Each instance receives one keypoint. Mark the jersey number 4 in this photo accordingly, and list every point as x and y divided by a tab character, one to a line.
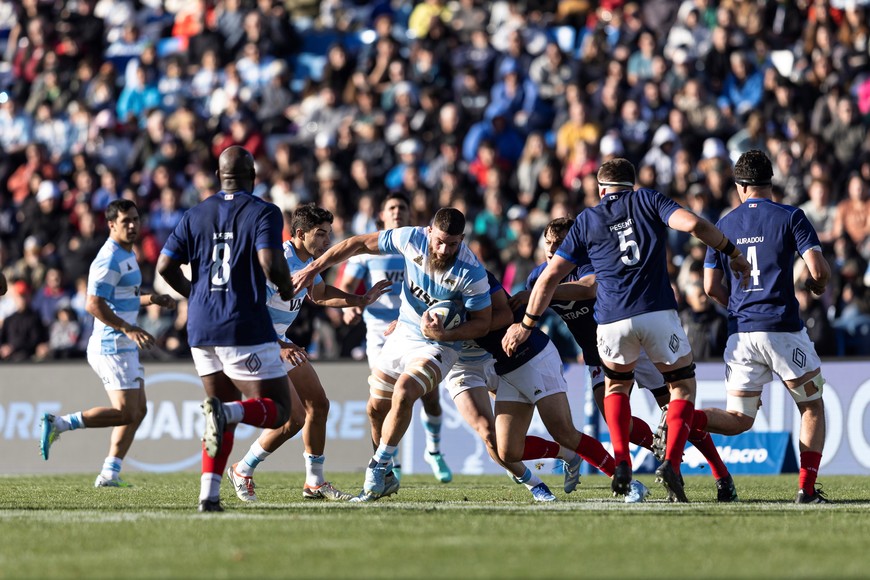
220	267
752	258
629	246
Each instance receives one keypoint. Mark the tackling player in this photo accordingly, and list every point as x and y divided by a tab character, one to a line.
624	239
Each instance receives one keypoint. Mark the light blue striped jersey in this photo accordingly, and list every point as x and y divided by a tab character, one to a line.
115	277
371	269
464	281
283	313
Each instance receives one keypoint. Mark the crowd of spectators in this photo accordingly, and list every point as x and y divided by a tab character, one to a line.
503	109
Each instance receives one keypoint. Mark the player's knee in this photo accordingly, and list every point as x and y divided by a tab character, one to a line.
377	409
317	408
509	455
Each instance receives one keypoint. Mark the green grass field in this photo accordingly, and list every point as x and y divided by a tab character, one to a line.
475	527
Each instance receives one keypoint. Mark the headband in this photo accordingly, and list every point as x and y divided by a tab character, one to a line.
613	183
753	182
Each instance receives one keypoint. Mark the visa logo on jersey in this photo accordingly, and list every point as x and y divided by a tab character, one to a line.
420	294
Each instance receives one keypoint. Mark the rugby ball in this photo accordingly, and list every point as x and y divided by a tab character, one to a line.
448	311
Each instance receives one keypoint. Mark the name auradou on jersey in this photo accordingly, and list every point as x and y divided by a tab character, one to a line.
752	240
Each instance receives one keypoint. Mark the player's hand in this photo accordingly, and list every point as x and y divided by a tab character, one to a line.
377	291
519	299
164	300
432	327
294	354
304	278
391	328
351	316
815	287
741	266
514	337
140	337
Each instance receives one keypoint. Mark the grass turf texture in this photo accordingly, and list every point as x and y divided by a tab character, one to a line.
476	527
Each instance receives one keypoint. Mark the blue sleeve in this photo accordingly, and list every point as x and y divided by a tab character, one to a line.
713	259
804	234
270	229
494	283
476	293
573	248
392	241
664	206
176	244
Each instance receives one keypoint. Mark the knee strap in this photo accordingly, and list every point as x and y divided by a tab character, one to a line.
687	372
616	375
799	394
377	386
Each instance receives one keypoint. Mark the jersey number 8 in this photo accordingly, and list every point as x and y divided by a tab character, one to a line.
220	268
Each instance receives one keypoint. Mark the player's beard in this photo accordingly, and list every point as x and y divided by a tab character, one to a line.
440	264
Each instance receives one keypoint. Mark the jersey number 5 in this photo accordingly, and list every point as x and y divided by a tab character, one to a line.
220	267
630	246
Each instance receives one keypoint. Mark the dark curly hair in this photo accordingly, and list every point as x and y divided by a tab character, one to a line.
753	168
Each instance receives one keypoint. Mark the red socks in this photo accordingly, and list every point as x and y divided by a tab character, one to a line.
680	416
617	411
641	434
218	464
260	413
704	443
594	453
537	448
810	461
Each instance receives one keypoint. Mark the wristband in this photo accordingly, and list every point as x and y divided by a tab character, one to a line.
532	316
526	326
730	249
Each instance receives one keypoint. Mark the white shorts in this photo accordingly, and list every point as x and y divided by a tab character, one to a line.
118	372
404	346
375	340
646	375
752	357
256	362
540	377
659	333
465	376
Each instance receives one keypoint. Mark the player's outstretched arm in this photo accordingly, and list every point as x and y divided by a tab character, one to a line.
327	295
819	271
164	300
354	245
685	221
170	269
540	298
348	284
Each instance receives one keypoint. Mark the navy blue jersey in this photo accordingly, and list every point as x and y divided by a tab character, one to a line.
578	315
220	238
491	342
624	237
768	234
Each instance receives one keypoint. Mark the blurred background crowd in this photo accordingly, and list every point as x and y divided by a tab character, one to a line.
503	109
